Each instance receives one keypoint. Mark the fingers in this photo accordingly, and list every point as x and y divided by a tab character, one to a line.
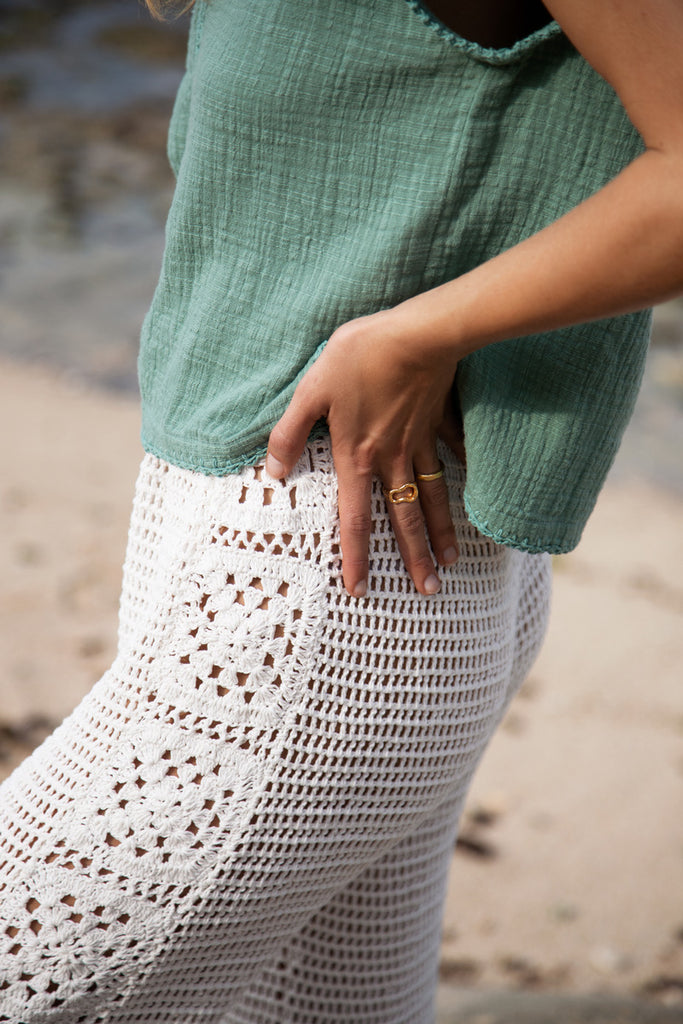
414	521
409	527
407	519
289	435
435	505
355	523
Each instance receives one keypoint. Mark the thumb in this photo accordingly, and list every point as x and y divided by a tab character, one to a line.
289	435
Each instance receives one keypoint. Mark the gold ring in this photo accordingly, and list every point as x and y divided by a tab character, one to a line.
425	477
401	495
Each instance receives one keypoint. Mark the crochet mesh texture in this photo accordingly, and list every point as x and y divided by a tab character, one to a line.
251	815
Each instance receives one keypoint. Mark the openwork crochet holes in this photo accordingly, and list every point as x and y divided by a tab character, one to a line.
267	781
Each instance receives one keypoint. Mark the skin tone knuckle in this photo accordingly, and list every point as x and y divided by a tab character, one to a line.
365	458
347	333
401	458
358	524
436	497
411	521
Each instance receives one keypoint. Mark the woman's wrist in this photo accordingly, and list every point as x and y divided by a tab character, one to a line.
431	324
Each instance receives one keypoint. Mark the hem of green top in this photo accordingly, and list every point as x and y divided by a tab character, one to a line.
485	523
218	465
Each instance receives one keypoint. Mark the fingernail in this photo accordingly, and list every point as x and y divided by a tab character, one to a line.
360	588
450	555
432	584
274	467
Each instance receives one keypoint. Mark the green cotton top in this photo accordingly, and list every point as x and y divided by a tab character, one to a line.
335	159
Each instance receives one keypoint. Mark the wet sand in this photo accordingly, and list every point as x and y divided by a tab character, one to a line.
570	866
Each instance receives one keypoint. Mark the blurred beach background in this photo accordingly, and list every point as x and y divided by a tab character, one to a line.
569	871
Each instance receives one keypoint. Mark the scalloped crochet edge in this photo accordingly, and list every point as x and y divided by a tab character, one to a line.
487	54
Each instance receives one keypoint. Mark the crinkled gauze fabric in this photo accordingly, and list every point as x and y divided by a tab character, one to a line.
334	159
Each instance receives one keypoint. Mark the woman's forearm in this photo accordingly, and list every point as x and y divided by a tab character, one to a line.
620	250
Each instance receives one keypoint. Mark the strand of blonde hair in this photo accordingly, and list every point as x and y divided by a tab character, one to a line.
162	8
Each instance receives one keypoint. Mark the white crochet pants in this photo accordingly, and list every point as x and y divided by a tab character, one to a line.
249	819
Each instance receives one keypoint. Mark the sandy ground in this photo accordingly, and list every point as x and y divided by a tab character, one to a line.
570	870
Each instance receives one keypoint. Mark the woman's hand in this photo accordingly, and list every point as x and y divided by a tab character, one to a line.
385	396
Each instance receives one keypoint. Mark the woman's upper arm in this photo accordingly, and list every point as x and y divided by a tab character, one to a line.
637	46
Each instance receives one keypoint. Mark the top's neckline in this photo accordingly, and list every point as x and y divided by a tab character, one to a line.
487	54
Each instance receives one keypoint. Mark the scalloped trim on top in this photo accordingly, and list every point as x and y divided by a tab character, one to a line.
486	54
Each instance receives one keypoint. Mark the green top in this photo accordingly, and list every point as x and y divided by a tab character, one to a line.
335	159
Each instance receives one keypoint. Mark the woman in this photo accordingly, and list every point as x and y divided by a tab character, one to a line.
251	816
